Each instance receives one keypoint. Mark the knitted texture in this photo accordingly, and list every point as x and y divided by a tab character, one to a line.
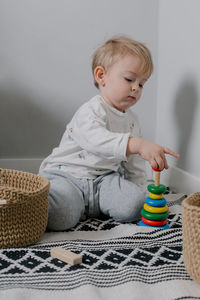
23	208
191	235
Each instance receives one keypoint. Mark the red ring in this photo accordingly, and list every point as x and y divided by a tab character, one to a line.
157	170
154	223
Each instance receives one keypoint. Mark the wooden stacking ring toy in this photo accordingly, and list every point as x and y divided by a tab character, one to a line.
156	189
153	216
155	210
166	226
156	203
154	223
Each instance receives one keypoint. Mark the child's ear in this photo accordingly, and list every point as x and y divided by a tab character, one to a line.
99	75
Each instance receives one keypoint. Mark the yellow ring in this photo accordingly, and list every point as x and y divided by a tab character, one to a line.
155	210
155	196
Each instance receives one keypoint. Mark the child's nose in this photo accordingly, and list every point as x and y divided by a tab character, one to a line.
135	87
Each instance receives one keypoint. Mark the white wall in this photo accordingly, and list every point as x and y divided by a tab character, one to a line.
45	74
45	65
178	106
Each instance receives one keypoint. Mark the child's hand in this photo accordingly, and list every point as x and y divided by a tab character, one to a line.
151	152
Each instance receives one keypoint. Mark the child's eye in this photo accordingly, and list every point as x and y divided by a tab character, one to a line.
129	80
141	86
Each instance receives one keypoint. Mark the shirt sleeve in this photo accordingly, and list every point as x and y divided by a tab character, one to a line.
88	129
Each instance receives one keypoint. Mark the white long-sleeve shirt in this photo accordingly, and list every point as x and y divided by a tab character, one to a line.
95	143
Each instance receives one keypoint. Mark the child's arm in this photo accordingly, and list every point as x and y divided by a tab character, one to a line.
88	129
152	152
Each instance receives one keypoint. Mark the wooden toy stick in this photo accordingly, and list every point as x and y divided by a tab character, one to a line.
157	178
66	256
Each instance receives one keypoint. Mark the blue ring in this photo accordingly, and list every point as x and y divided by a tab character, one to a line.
156	203
141	223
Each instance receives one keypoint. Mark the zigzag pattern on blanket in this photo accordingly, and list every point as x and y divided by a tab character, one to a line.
93	224
148	257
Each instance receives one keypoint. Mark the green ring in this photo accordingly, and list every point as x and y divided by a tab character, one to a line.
156	189
153	216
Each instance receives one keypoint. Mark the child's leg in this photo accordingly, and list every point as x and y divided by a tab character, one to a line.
120	198
66	203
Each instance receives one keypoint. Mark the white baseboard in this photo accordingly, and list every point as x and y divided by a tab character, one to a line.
178	180
28	165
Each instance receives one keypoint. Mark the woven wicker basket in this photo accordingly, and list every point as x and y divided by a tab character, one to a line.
191	235
23	208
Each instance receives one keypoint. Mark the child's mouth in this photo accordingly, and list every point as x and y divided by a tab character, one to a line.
132	98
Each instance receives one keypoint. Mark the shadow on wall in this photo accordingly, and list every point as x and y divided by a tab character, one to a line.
186	101
26	129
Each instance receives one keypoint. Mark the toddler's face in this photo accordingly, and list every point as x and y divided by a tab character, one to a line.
123	83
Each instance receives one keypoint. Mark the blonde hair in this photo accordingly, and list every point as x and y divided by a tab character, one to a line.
117	47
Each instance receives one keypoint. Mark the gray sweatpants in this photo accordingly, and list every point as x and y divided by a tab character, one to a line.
110	194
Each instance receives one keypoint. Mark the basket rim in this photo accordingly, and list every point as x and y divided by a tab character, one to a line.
187	202
24	191
7	187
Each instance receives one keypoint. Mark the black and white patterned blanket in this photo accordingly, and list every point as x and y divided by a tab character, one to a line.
119	260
